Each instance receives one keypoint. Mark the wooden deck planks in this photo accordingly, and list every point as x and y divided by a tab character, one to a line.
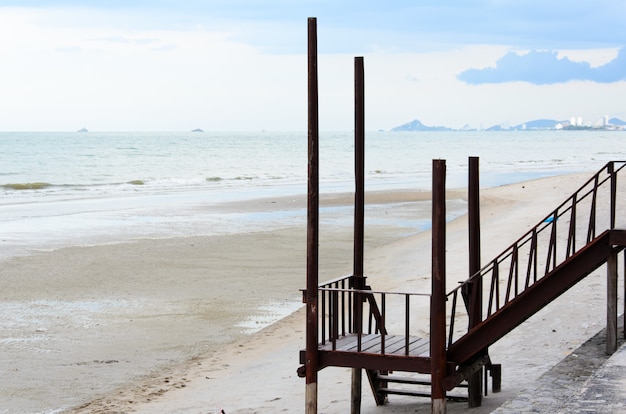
371	343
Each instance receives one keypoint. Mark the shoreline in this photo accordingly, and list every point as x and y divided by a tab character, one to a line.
49	226
143	303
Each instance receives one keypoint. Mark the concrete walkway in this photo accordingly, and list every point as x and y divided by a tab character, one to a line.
586	381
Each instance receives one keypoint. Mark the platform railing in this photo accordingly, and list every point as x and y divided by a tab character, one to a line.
348	311
567	229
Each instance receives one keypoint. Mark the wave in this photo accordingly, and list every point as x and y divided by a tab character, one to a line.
27	186
40	185
140	184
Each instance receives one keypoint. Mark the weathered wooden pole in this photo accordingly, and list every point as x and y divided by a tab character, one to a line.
359	171
475	286
611	303
358	279
311	297
611	171
438	293
611	274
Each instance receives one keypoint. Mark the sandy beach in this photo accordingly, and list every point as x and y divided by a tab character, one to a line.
178	324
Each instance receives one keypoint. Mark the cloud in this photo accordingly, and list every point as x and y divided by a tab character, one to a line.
128	40
364	26
546	67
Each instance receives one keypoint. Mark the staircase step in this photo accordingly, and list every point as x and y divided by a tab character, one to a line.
391	391
402	380
403	392
409	380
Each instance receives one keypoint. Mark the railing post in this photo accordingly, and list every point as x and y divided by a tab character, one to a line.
334	318
311	359
359	211
475	285
571	236
438	294
591	230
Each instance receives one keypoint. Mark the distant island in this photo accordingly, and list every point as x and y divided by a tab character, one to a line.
575	124
82	130
197	130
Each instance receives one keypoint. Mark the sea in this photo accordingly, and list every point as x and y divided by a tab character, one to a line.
75	188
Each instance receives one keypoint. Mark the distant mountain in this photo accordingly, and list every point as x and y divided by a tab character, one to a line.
416	125
616	121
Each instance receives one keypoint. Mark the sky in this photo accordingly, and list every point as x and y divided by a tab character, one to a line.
241	65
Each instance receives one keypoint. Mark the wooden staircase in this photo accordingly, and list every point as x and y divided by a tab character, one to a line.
552	257
535	297
538	268
384	384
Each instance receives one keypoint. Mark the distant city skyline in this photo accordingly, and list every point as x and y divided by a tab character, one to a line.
532	124
240	65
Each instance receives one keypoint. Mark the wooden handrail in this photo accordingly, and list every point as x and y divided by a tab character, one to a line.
336	303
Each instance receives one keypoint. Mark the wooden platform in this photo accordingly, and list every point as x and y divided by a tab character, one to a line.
388	352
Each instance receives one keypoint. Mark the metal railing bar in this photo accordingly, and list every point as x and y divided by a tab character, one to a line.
335	280
407	324
323	300
371	292
452	317
571	237
382	322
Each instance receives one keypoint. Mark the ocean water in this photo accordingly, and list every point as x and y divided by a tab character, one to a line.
64	188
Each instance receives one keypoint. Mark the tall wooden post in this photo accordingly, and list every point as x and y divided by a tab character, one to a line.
475	286
438	293
613	174
611	304
358	276
311	297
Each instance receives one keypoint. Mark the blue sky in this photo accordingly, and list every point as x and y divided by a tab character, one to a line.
241	64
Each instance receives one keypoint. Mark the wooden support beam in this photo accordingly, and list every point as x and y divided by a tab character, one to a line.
438	293
311	353
464	372
359	167
611	303
359	213
475	308
475	380
496	377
